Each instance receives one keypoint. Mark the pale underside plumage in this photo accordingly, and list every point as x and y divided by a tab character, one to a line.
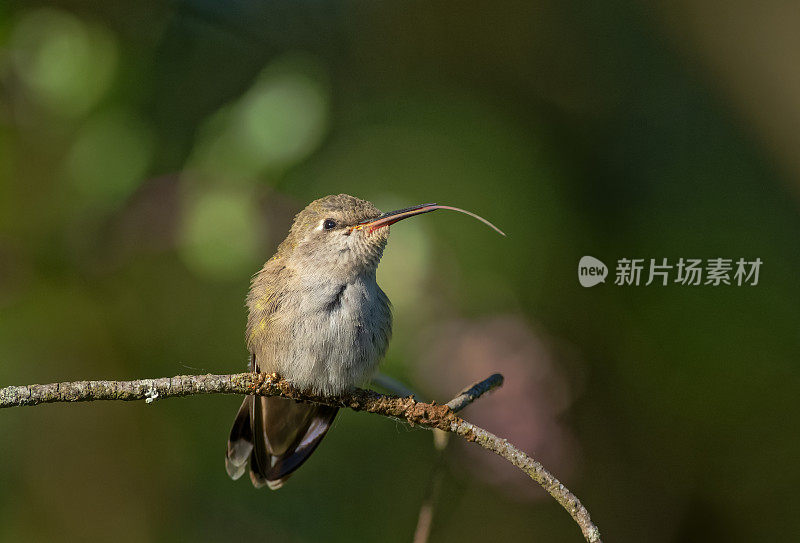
318	318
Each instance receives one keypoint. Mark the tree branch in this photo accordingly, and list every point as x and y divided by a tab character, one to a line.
429	415
472	393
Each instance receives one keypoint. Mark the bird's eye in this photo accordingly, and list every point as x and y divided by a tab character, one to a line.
329	224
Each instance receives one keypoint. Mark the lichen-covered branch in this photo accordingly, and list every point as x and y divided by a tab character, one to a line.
429	415
535	471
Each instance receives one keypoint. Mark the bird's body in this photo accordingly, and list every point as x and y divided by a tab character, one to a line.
318	318
328	335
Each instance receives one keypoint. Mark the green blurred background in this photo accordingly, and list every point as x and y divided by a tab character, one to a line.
153	153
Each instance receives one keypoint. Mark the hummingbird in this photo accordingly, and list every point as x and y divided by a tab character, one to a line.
317	318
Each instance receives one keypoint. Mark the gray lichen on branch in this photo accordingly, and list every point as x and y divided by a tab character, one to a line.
428	415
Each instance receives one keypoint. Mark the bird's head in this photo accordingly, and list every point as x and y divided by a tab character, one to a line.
343	235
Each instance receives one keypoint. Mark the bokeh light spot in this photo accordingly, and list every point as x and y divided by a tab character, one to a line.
66	63
109	159
219	238
278	122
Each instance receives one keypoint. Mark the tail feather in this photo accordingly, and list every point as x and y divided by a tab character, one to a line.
240	442
320	419
275	436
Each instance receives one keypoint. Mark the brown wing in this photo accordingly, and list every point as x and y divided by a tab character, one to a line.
264	299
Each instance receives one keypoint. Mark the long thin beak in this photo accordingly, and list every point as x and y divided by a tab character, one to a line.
393	216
